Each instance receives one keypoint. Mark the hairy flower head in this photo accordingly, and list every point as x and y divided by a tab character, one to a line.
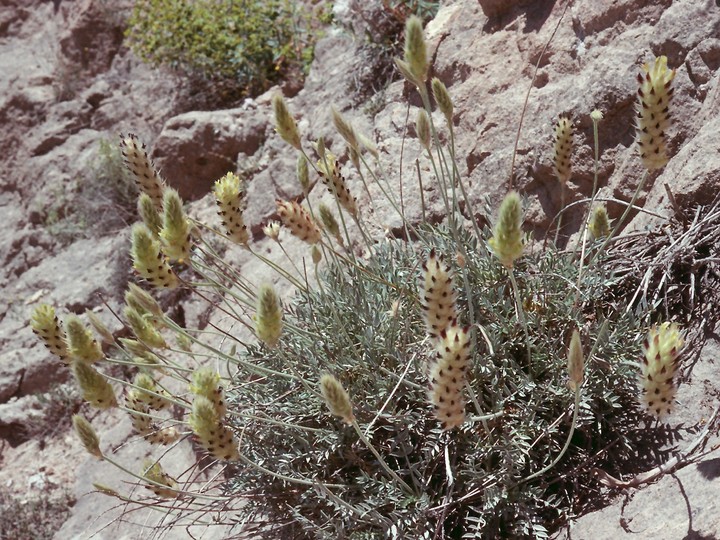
268	317
143	301
87	435
599	225
82	345
415	50
230	198
149	214
330	223
507	241
438	294
576	361
345	129
149	393
153	471
336	398
138	163
272	230
422	126
661	358
442	98
206	383
148	259
284	123
653	114
563	148
175	232
45	324
100	327
214	436
95	388
144	331
298	220
303	173
447	375
331	176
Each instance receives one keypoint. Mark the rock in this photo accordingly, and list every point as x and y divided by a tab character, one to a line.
497	8
93	36
195	149
78	277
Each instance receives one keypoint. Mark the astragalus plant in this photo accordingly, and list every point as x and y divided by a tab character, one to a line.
467	383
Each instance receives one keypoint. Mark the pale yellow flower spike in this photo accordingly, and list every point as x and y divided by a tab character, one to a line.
654	97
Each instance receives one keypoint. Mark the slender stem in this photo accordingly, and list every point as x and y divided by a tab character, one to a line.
562	206
620	221
163	486
521	315
567	442
382	462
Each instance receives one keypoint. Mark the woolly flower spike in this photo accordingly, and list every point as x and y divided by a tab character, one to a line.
329	170
653	118
442	98
100	327
148	259
284	123
81	343
149	393
175	233
345	129
563	148
507	242
143	301
330	223
268	319
46	326
599	225
316	255
105	490
438	295
422	126
336	398
369	145
272	230
447	376
155	473
206	383
303	174
87	435
576	362
415	49
229	196
149	214
143	424
298	220
143	330
94	386
210	432
660	363
137	161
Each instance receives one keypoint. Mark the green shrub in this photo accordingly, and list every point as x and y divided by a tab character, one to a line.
247	44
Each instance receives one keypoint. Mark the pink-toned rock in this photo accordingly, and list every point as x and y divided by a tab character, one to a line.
195	149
